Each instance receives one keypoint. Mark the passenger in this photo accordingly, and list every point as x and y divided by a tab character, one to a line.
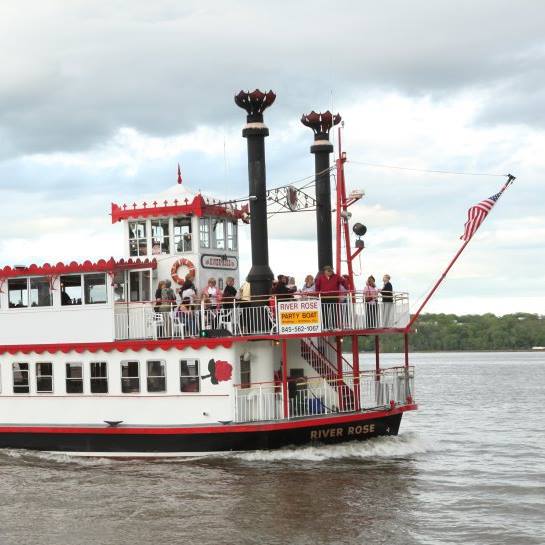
187	316
328	284
158	294
291	284
308	286
387	293
168	301
229	292
188	289
245	304
211	294
370	294
65	298
282	291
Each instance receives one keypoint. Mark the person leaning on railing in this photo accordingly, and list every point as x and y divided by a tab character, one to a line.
387	293
328	285
245	302
370	294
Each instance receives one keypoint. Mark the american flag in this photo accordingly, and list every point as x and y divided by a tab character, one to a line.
476	215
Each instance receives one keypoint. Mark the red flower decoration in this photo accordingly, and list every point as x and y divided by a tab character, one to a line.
224	371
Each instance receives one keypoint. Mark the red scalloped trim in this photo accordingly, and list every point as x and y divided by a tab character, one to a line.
119	346
87	266
198	207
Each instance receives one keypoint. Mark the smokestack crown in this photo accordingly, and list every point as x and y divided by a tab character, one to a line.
255	103
320	123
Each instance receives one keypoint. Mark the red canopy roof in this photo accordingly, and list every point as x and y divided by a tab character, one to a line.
198	206
87	266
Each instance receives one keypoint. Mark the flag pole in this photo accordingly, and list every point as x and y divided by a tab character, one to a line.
510	180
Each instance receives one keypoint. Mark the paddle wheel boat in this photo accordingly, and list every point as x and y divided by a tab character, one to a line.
92	364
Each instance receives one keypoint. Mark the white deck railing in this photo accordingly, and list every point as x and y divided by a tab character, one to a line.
141	321
318	396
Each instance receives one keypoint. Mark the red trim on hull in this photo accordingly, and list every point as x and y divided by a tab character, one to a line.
226	428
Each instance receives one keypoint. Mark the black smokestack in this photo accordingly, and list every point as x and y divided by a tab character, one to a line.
255	103
321	124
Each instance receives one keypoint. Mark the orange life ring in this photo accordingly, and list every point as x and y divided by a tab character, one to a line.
181	263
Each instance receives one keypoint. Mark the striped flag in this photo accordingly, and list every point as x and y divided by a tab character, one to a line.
476	215
179	174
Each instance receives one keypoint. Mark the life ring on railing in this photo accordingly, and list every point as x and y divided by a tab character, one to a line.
181	263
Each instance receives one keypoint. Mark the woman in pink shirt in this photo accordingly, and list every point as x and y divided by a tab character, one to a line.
370	293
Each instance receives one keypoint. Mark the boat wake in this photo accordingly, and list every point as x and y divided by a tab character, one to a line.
400	446
391	447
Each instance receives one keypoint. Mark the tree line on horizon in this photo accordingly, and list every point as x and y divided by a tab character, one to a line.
436	332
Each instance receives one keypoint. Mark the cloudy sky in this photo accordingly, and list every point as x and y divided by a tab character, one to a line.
99	101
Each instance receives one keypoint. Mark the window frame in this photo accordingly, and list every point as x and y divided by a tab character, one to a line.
245	370
41	376
141	292
214	224
84	286
27	291
128	378
104	380
74	380
231	238
82	294
137	239
187	245
159	377
205	222
24	372
163	240
195	379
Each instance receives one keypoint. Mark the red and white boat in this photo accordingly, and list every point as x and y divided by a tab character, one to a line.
91	364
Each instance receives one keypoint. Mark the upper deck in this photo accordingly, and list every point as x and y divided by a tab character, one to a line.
109	300
301	314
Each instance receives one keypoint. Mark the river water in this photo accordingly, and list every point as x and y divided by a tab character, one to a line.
467	468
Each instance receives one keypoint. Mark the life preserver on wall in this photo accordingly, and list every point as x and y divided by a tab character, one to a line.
181	263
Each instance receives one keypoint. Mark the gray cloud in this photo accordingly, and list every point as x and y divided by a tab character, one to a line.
73	73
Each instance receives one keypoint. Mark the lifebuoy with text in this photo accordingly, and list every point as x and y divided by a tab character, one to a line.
181	263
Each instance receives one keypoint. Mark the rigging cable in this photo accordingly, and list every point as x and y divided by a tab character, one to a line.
429	171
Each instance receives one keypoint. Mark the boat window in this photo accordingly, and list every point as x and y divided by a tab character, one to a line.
204	232
138	243
18	292
245	372
140	285
71	289
40	292
231	235
156	376
120	285
99	377
219	233
74	378
182	234
95	288
44	377
20	378
189	376
130	377
160	239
